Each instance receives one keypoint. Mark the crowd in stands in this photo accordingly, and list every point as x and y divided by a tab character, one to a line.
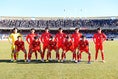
59	23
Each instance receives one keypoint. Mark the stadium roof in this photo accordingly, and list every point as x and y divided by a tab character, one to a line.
54	18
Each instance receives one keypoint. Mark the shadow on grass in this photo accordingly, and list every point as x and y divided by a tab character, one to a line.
40	62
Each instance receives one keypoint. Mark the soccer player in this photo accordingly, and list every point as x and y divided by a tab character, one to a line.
30	38
67	46
19	45
98	39
52	46
12	38
76	38
35	47
45	40
84	47
59	37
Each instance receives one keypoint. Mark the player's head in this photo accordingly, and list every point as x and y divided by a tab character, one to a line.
68	37
60	30
76	29
83	37
15	30
19	38
32	30
46	29
36	38
52	38
99	30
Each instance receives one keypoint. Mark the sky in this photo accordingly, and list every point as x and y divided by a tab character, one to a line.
59	8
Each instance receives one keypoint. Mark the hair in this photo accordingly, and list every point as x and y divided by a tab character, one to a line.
46	28
18	36
83	36
67	36
14	29
60	28
36	37
32	29
77	28
98	28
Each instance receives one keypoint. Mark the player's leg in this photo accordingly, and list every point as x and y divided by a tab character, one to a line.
57	54
89	57
79	56
36	55
102	53
48	54
12	52
39	50
29	55
43	54
74	55
15	52
96	54
25	54
62	55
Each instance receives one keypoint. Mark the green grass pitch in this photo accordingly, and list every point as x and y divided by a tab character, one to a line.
95	70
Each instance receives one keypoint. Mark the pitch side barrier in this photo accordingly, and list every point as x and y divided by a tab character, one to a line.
56	28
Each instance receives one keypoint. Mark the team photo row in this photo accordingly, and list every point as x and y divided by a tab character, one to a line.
45	43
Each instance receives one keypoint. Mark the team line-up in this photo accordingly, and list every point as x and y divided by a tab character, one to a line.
66	42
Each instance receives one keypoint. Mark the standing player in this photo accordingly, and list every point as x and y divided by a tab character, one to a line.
52	46
60	37
84	47
67	46
98	39
12	38
45	40
19	45
35	47
76	38
30	38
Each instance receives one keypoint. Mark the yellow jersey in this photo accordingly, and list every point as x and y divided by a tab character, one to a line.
13	37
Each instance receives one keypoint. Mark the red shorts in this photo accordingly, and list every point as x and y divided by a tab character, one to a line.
60	46
54	48
35	49
45	47
99	47
18	49
84	50
68	49
75	46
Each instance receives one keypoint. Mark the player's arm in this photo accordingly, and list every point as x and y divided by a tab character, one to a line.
15	43
42	40
10	38
105	37
27	39
94	38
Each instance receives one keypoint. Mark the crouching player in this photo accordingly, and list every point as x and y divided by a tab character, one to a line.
84	47
35	47
52	46
68	46
19	45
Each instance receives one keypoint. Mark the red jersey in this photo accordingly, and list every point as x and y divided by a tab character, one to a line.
68	45
99	38
35	44
30	37
83	44
60	37
19	44
45	38
76	37
52	44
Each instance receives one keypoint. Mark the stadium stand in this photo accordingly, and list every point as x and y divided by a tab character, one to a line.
87	24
